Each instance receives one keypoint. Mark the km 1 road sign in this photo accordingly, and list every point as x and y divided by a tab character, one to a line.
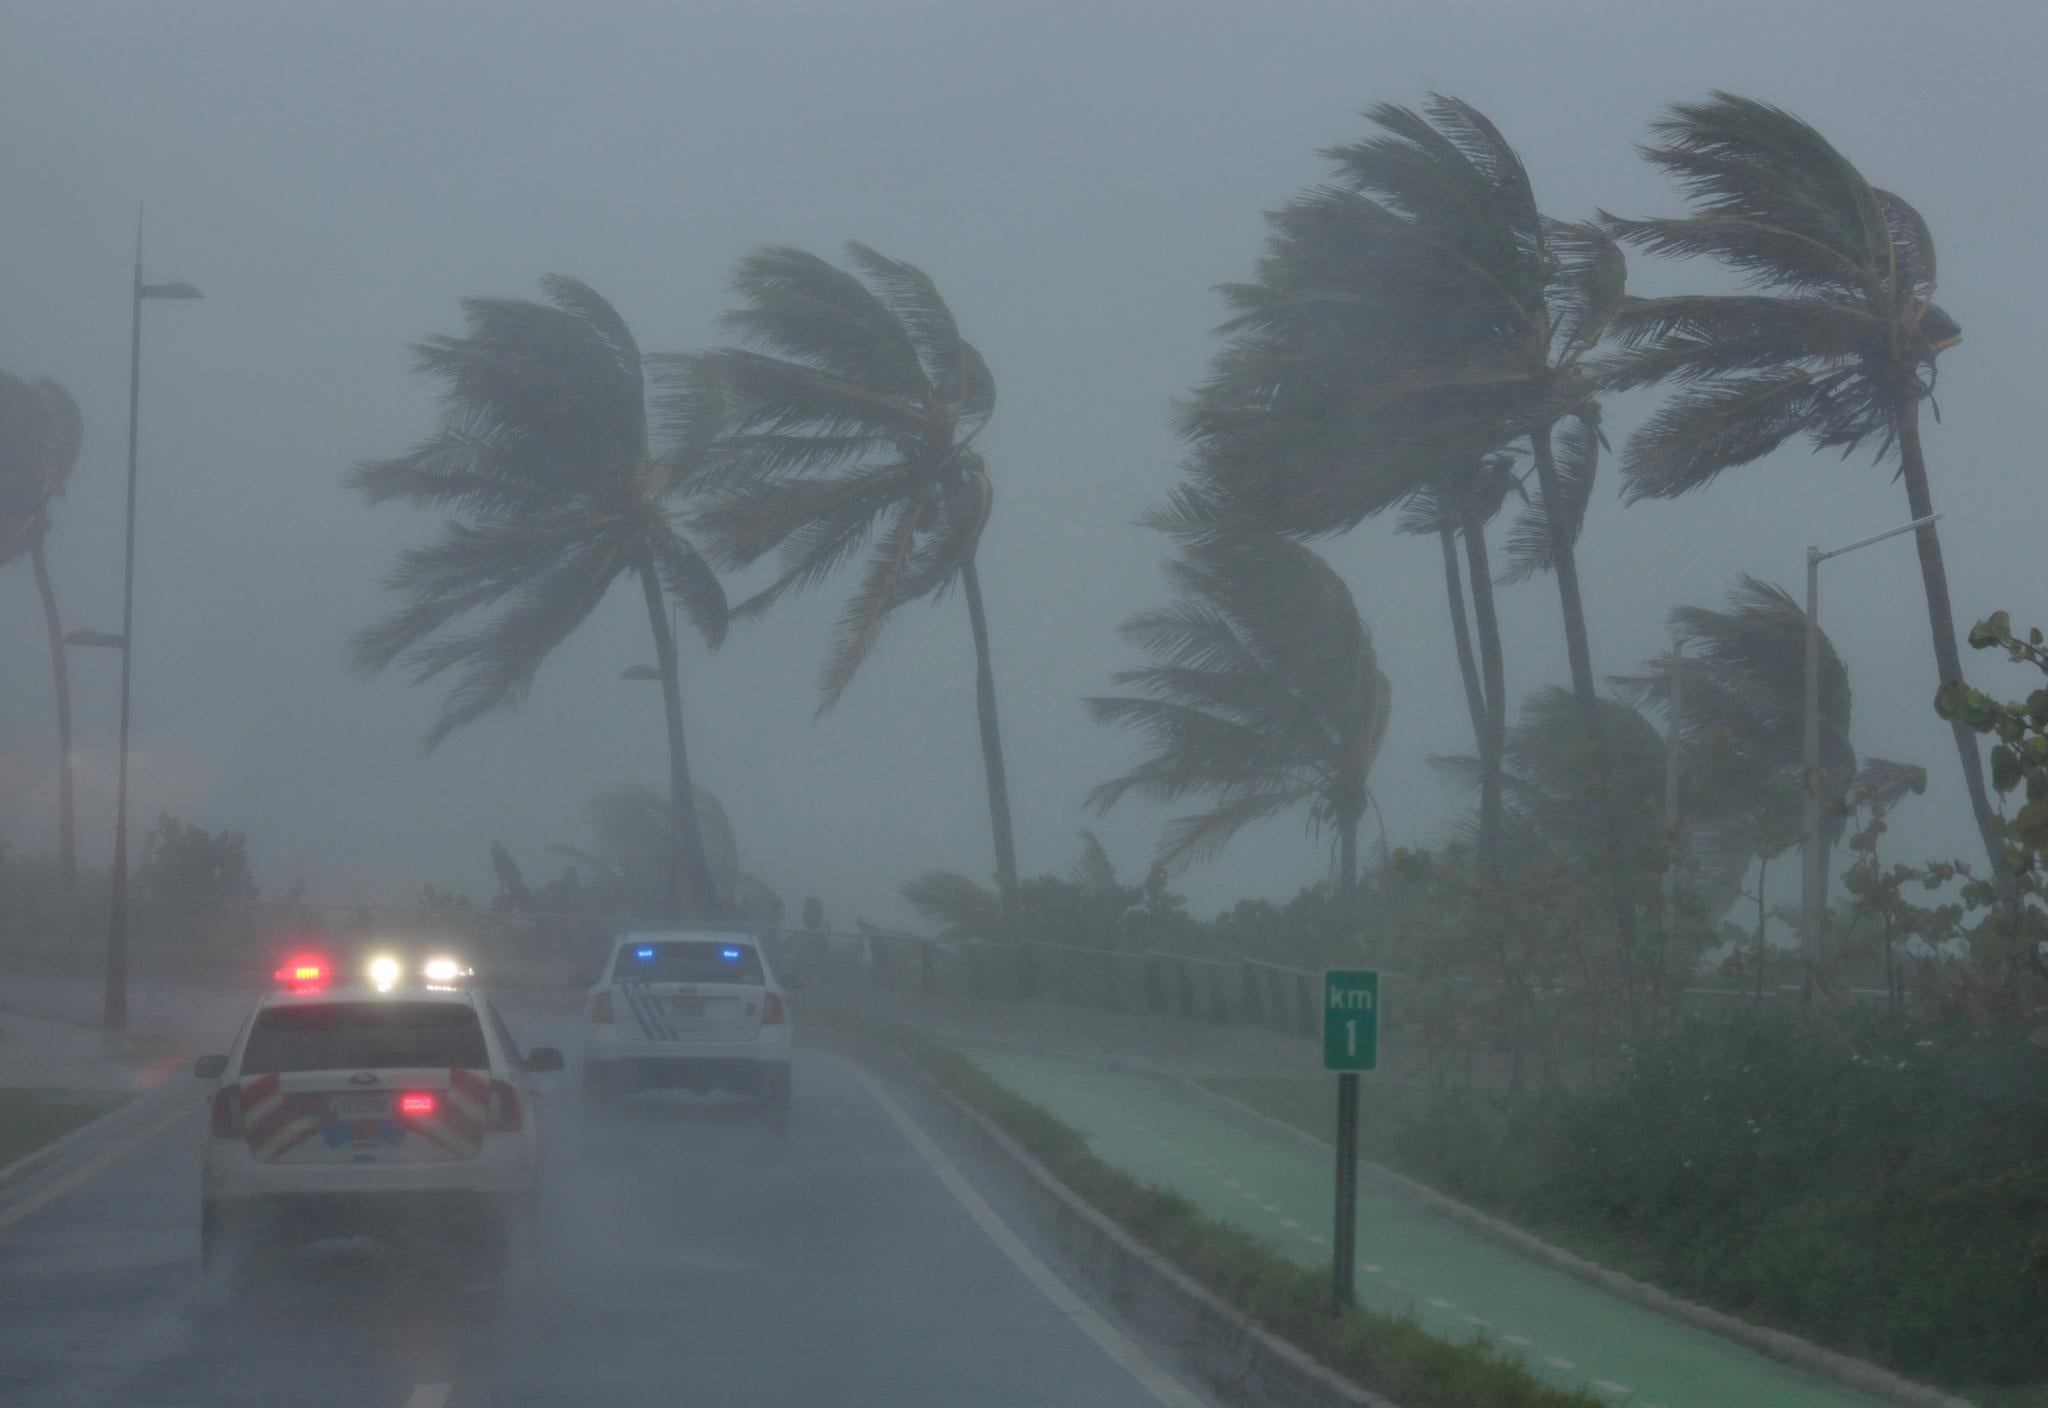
1351	1019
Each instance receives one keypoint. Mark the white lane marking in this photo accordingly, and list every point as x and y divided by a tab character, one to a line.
1372	1268
1610	1386
1519	1341
1118	1346
1475	1321
1441	1304
1314	1238
1289	1222
1558	1361
1270	1207
1232	1183
428	1396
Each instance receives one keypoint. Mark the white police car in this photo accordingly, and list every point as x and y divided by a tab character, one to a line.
687	1009
397	1107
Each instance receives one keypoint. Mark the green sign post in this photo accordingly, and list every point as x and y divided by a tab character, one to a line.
1351	1043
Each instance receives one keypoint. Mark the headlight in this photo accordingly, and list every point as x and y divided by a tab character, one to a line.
441	970
384	972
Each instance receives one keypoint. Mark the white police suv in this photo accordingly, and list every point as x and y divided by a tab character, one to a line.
687	1009
397	1106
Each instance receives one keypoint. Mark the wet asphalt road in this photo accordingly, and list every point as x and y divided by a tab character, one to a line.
695	1255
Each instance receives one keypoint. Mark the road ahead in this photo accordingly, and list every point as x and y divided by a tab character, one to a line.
696	1256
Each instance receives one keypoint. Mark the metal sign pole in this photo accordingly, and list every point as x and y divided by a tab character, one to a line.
1343	1263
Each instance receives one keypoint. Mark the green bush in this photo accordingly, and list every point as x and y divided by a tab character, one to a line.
1881	1187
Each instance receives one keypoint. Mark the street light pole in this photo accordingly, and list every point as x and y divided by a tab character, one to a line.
1671	764
1813	881
114	996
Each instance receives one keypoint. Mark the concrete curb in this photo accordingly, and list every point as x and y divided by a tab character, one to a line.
1220	1341
1789	1349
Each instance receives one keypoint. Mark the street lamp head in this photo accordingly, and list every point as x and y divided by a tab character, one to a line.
176	290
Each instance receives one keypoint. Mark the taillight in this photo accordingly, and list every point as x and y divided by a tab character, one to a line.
771	1010
227	1112
601	1008
504	1112
416	1102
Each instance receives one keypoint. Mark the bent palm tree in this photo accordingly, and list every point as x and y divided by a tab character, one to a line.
41	432
1742	712
1418	311
1839	344
853	415
544	458
1265	694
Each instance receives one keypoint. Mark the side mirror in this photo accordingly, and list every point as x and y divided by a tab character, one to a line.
543	1058
209	1067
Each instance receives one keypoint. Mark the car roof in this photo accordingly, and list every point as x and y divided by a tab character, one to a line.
656	936
355	992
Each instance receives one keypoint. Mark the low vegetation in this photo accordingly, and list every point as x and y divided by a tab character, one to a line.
1387	1353
1878	1186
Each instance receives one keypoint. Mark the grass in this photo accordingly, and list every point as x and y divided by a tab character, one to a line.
1389	1354
29	1119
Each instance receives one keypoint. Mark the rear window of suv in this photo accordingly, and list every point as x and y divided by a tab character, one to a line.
688	961
364	1036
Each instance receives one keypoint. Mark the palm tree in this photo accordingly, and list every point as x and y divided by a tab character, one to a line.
41	432
545	461
632	830
1418	311
852	414
1265	694
1743	712
1837	340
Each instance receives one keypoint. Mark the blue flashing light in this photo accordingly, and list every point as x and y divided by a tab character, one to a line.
644	954
730	955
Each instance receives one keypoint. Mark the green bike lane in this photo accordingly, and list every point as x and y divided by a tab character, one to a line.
1455	1284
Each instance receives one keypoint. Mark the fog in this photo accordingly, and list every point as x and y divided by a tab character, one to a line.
1076	178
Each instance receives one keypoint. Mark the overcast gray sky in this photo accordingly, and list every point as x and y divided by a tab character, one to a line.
1077	177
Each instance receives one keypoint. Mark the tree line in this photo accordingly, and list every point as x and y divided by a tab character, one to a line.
1419	337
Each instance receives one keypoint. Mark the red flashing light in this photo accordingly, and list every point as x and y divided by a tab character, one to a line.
416	1102
771	1010
302	974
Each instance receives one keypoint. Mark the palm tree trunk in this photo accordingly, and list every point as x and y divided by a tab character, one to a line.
1347	856
991	740
1763	870
1461	632
1581	656
1493	733
1941	616
67	829
689	868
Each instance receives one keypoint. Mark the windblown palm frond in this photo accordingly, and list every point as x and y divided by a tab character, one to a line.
848	420
41	433
1264	694
1741	725
961	908
552	489
848	423
1841	333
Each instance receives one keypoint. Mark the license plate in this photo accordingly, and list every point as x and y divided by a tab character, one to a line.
359	1107
686	1006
